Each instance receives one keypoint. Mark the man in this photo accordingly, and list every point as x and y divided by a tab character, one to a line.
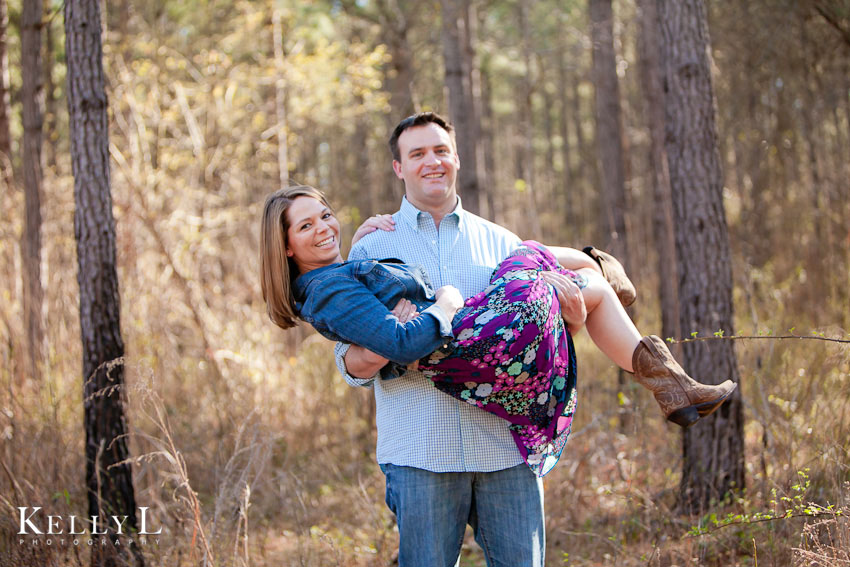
447	464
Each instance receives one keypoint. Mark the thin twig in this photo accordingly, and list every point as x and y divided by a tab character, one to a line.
758	337
707	531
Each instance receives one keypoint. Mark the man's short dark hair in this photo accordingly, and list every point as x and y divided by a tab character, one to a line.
418	119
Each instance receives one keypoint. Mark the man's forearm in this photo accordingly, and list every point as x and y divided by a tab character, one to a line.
363	363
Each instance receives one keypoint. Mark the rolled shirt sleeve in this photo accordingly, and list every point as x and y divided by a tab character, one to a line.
340	350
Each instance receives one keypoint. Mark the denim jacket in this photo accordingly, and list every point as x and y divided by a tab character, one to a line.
351	302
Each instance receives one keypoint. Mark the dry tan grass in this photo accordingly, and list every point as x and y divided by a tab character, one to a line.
250	450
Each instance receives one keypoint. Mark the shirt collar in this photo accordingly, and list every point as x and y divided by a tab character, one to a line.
412	215
302	281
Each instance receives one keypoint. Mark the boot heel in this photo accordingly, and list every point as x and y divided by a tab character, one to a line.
684	417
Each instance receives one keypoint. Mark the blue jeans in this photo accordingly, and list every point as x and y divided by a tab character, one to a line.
504	508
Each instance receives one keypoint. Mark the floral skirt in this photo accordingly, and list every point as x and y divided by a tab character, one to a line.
513	356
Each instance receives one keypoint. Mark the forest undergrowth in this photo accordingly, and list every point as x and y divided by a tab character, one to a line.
259	454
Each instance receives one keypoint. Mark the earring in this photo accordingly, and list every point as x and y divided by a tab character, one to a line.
289	252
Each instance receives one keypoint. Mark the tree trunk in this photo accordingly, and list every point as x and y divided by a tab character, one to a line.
32	96
280	99
393	21
662	220
609	143
474	80
525	155
50	118
609	130
462	112
585	178
570	201
713	457
108	474
5	110
487	125
8	256
549	114
394	25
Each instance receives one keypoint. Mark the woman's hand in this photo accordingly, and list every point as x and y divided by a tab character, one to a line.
405	311
573	309
382	222
363	363
449	299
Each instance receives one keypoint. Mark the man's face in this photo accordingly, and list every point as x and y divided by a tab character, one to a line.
428	166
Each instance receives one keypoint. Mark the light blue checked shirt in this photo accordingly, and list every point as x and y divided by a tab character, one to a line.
419	426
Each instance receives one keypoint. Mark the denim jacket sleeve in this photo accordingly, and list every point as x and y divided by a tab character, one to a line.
349	310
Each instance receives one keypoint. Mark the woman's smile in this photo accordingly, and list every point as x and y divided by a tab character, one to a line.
312	237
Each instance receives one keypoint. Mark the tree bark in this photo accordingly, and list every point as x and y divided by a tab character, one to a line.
548	115
32	95
586	180
609	144
525	155
462	112
108	474
393	20
5	107
394	24
713	457
567	188
280	99
487	125
474	80
609	130
662	220
8	256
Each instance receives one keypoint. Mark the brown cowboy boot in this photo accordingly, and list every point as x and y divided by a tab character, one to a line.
614	272
682	399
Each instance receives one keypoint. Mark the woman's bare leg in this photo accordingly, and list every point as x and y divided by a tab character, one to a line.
573	259
608	324
682	400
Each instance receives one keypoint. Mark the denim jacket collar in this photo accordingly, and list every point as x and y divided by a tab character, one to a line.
413	216
299	286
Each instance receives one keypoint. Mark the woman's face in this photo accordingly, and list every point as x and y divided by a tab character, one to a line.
312	239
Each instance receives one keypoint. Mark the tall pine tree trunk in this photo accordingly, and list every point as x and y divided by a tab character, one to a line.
32	95
487	126
525	153
609	130
280	99
462	112
8	255
393	21
50	100
713	449
5	109
609	143
662	221
108	474
567	185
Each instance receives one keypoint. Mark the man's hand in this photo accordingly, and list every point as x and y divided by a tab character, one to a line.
382	222
573	309
406	311
449	299
363	363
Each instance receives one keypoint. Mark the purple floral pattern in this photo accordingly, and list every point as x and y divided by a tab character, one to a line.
513	356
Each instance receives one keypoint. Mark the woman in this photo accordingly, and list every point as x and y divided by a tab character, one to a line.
507	350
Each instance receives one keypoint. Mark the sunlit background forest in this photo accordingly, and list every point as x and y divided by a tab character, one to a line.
247	445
